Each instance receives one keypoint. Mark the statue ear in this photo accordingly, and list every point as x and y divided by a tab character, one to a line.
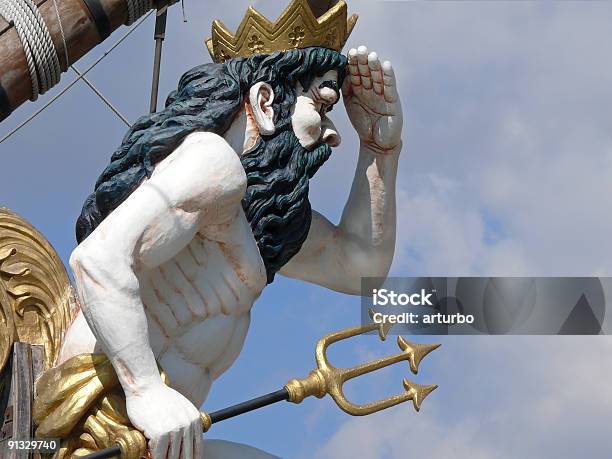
261	96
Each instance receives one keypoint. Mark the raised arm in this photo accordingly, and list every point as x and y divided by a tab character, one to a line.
362	244
194	187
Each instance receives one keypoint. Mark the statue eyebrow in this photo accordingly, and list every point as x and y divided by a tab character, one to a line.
332	85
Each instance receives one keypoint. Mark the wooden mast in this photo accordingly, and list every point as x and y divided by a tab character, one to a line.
86	23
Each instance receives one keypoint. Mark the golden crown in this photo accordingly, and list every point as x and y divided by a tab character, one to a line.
297	27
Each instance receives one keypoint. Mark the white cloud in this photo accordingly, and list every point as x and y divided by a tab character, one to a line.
393	436
440	235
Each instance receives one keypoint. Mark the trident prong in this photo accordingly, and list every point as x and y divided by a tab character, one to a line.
416	351
419	392
327	379
383	327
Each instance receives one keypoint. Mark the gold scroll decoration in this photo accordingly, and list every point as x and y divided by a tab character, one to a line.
36	298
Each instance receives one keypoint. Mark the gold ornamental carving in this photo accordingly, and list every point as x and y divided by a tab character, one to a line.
36	298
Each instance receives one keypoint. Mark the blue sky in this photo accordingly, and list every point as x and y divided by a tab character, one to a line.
506	170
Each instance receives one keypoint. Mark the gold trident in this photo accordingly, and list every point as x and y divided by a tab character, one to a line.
327	379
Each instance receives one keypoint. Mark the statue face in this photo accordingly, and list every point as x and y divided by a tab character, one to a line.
309	118
310	121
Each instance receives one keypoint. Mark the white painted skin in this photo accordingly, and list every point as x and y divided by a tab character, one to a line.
171	275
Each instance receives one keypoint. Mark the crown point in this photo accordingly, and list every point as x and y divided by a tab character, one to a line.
297	27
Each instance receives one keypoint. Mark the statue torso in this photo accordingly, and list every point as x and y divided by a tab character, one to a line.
198	307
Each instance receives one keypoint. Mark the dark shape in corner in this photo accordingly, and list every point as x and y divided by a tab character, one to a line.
582	320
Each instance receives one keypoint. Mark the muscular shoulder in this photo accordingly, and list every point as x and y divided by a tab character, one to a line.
203	169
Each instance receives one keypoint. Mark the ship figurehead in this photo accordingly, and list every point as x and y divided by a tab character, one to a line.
264	72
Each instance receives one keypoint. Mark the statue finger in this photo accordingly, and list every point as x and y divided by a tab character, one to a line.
376	72
353	68
364	69
197	441
159	447
176	440
390	86
187	449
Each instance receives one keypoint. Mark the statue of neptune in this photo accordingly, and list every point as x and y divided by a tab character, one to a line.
205	201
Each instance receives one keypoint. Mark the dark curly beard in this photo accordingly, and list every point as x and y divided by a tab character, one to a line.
276	202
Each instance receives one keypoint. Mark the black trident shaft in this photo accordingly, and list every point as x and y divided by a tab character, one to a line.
250	405
216	416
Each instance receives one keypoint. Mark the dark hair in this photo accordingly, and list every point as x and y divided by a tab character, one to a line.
207	99
276	203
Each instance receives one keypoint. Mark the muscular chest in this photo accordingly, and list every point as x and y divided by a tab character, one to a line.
217	275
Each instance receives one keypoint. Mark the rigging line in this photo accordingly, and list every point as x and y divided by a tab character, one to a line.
101	96
76	80
85	79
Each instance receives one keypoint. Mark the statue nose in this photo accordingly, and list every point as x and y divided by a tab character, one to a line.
331	138
329	135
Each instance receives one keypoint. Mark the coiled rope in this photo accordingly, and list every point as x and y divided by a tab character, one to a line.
40	53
